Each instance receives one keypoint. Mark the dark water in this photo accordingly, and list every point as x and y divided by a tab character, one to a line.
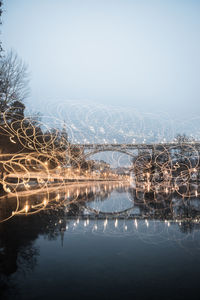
105	245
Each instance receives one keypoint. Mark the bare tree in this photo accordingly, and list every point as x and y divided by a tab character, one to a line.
183	138
13	81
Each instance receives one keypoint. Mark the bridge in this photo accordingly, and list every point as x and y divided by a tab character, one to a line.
129	148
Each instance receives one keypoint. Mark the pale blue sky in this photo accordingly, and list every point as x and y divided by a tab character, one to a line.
144	54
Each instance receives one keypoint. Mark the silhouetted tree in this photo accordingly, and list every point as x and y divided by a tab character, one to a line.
13	81
182	138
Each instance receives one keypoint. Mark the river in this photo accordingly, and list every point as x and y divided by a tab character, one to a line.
99	241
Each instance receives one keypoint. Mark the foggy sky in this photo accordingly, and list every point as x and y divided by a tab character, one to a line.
143	54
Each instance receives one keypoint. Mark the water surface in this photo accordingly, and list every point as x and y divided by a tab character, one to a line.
106	244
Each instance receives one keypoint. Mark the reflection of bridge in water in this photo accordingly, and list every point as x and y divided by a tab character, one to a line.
98	205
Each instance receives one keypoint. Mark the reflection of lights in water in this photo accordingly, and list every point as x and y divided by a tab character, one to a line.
156	233
114	207
147	223
136	224
105	224
95	227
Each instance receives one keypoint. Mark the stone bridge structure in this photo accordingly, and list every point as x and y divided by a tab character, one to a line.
135	149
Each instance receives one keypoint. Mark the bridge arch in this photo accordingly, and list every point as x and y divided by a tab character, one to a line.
121	150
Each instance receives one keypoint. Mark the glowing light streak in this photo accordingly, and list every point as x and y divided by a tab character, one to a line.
47	165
